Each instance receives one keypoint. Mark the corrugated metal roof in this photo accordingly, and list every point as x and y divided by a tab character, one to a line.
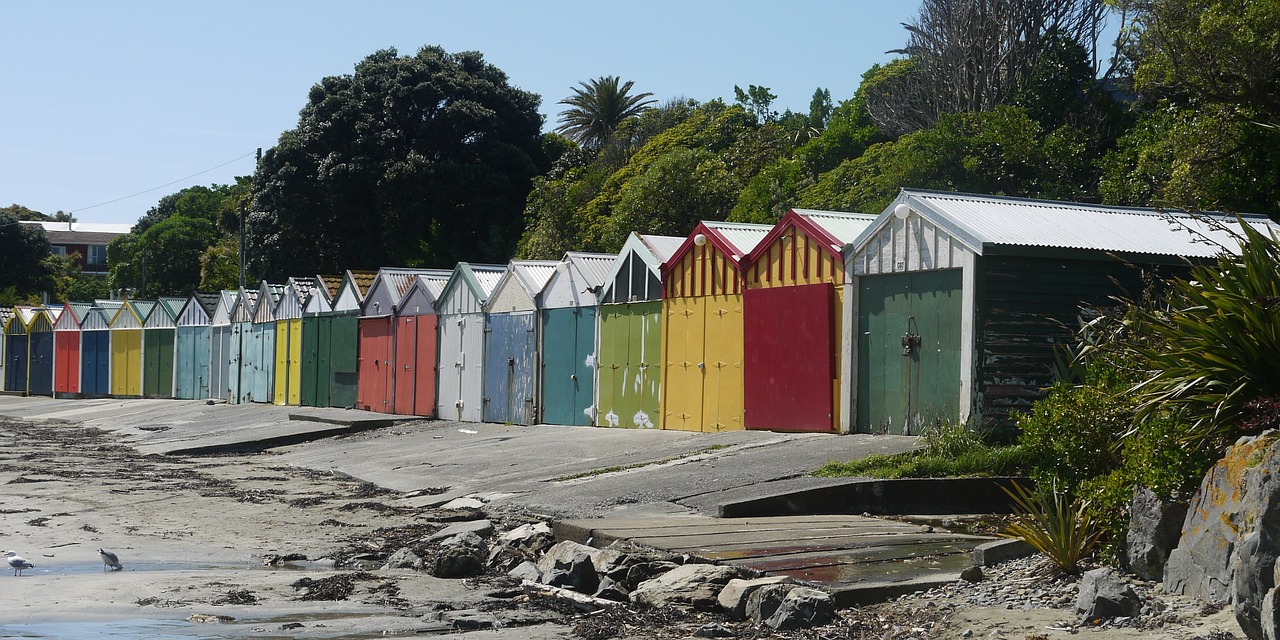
534	274
398	280
435	281
743	236
845	227
488	275
594	266
989	221
662	247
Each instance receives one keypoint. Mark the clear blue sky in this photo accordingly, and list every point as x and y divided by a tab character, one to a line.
103	100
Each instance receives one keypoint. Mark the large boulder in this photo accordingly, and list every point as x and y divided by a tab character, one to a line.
461	556
1155	524
1105	595
765	600
802	608
695	585
735	595
1253	580
575	566
1220	513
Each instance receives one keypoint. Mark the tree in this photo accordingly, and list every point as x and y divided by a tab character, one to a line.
1002	152
966	57
675	191
412	160
1216	51
171	253
23	250
597	107
758	101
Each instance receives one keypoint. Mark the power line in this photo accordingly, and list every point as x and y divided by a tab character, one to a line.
167	184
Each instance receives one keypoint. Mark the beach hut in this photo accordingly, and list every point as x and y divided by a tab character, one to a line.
5	314
67	349
342	346
511	342
461	325
793	310
159	335
257	377
961	299
41	366
95	348
241	350
126	348
379	331
17	350
568	335
702	327
628	387
416	344
317	325
220	330
193	347
288	356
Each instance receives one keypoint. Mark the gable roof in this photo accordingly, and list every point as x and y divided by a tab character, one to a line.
479	279
733	239
390	286
72	316
832	229
652	251
992	224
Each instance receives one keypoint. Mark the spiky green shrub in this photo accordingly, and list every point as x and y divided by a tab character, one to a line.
1061	527
1213	357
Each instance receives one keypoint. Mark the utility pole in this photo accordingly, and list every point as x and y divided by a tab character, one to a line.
257	163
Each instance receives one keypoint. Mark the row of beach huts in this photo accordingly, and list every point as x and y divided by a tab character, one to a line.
943	307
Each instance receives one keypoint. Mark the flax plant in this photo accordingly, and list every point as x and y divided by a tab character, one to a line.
1062	528
1215	343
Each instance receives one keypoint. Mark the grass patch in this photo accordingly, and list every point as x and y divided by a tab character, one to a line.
948	451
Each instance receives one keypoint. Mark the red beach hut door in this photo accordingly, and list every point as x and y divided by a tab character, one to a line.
789	359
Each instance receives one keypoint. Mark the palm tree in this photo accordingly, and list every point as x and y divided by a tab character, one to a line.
598	107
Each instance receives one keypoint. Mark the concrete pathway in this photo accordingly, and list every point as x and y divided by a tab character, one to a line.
858	559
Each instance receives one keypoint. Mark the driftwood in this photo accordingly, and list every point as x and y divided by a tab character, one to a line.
577	600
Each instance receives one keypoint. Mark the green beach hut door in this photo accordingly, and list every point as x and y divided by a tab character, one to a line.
908	351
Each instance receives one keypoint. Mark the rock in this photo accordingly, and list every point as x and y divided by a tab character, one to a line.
526	571
405	558
636	573
714	630
1105	595
612	590
459	557
478	527
522	543
803	607
764	601
1269	617
1155	524
695	585
1253	579
1231	501
462	503
972	574
571	565
734	596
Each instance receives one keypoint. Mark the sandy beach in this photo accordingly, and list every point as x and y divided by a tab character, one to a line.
201	539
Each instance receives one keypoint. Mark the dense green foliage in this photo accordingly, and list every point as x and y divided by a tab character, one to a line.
1212	358
161	255
24	271
422	160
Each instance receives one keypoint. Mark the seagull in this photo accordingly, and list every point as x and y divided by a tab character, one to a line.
18	562
109	560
